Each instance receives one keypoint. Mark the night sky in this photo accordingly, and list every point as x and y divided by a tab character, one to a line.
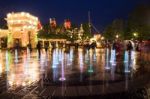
102	11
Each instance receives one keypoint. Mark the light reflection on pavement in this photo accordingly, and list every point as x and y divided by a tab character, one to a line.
75	67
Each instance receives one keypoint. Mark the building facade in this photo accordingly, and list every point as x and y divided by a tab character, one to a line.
22	29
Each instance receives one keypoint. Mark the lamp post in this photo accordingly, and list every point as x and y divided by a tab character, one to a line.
135	34
117	36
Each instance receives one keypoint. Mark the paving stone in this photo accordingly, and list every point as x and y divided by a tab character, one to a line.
71	91
95	90
117	87
83	91
48	91
60	91
37	90
148	91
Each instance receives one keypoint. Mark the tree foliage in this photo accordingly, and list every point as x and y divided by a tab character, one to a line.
60	33
115	28
86	29
139	21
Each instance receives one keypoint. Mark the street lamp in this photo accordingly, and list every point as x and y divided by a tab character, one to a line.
117	36
102	38
135	34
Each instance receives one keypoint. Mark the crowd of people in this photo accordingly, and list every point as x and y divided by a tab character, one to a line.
117	45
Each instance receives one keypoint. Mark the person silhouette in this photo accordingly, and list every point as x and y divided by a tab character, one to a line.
39	48
46	47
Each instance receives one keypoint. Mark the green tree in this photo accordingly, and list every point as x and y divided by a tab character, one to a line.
60	32
86	33
139	22
115	28
3	24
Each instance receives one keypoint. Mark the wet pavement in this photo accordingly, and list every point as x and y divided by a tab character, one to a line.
74	73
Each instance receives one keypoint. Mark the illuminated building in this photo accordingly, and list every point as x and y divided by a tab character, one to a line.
3	36
22	29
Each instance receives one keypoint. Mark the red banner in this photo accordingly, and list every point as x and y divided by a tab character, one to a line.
53	22
39	26
67	24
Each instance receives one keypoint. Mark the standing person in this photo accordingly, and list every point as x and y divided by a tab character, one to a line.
30	47
46	47
114	45
129	46
39	48
17	45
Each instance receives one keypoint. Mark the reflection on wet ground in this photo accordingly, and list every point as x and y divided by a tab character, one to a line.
58	71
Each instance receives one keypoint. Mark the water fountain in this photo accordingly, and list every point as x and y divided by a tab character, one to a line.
62	78
80	59
113	57
70	57
107	59
132	55
55	74
7	61
126	62
7	68
16	56
60	55
94	55
68	61
87	56
42	59
28	54
90	69
55	58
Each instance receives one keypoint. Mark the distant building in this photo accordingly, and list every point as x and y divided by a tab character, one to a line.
22	29
3	38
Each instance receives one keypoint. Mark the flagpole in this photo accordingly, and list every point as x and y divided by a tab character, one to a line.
89	19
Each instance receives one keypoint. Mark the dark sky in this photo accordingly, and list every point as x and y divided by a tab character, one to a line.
102	11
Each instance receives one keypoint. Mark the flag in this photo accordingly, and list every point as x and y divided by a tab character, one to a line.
53	23
39	26
67	24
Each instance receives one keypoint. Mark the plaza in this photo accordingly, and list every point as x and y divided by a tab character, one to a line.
77	73
75	49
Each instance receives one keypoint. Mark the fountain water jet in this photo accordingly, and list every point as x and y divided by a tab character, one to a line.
7	61
107	59
62	78
113	57
16	56
55	59
126	62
